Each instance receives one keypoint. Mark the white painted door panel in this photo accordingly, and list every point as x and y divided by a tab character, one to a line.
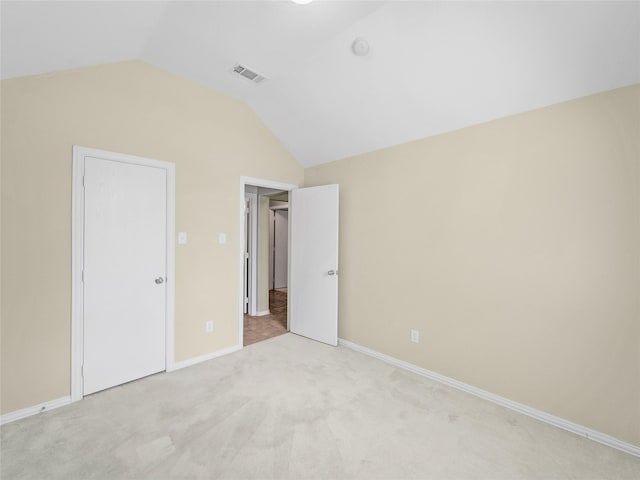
124	272
281	248
313	278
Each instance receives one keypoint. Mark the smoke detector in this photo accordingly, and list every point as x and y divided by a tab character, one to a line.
360	47
248	74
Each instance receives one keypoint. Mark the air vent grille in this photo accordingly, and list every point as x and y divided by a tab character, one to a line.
248	74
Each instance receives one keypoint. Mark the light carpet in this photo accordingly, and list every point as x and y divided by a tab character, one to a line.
291	408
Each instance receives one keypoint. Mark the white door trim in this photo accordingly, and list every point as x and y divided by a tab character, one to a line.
272	211
77	256
253	252
256	182
280	215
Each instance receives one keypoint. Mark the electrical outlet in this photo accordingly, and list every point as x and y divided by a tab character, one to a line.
415	336
209	326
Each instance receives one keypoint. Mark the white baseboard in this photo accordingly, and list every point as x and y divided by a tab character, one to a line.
27	412
263	313
61	402
203	358
505	402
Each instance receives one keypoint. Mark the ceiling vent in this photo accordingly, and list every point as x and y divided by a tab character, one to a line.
248	74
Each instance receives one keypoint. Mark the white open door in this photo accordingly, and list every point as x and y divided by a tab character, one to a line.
313	274
125	265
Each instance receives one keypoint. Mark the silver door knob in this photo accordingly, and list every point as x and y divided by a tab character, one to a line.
159	280
332	272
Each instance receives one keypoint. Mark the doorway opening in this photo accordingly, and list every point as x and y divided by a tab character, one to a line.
266	264
264	293
312	257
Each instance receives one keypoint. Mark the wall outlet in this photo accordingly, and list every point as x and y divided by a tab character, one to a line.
415	336
209	326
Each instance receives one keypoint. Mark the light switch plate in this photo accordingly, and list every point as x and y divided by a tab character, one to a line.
222	238
182	238
415	336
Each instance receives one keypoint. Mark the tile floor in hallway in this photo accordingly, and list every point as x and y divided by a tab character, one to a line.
257	329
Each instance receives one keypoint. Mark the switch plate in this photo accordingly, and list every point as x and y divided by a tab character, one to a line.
222	238
182	238
209	326
415	336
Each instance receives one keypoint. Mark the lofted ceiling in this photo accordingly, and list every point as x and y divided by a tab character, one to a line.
432	67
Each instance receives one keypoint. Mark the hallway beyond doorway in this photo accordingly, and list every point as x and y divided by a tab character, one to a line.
261	328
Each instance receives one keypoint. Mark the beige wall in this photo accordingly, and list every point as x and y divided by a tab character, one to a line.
136	109
514	247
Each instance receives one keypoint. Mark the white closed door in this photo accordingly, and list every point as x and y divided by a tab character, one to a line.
125	264
313	274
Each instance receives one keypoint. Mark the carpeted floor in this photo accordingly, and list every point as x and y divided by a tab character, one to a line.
292	408
257	329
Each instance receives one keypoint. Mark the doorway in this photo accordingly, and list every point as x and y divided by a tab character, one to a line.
259	254
312	270
266	264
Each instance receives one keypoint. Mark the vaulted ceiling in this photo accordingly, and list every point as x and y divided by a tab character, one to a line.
432	67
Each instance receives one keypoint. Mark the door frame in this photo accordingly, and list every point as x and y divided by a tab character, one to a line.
252	290
256	182
272	255
271	232
77	257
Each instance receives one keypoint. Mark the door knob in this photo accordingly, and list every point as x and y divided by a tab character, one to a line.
332	272
159	280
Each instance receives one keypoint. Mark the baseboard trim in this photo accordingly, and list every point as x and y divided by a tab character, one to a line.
581	430
61	402
263	313
29	411
203	358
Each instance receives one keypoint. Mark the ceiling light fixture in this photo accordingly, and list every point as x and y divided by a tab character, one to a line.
302	2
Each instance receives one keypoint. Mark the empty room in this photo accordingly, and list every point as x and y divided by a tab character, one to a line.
320	239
